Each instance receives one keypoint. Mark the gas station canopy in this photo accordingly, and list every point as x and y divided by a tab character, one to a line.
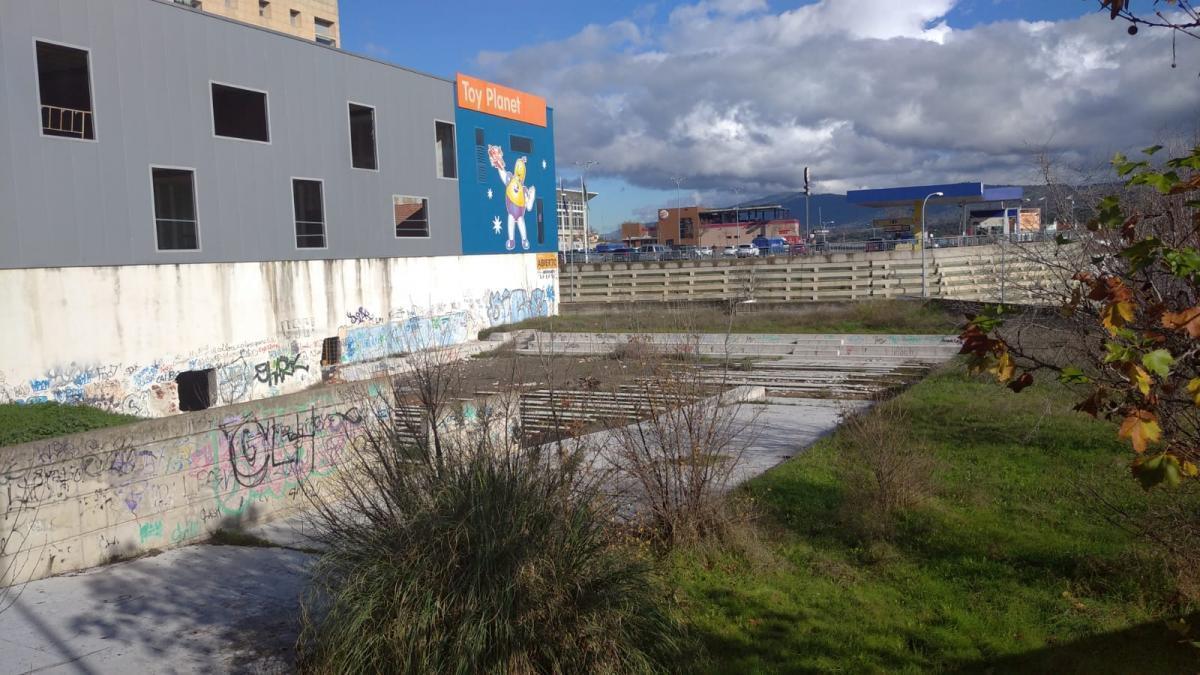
953	193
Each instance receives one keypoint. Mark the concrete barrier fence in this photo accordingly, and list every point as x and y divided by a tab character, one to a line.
978	273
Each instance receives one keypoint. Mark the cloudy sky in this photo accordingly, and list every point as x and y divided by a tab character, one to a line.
742	94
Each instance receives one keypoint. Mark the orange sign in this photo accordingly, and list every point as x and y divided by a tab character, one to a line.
547	261
483	96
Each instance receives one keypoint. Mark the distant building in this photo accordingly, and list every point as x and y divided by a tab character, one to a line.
697	226
315	20
570	219
636	234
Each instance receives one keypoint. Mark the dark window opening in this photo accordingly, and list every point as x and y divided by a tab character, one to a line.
362	137
521	144
195	389
175	209
324	32
481	157
310	213
264	8
331	351
412	216
686	229
444	135
541	222
66	92
240	113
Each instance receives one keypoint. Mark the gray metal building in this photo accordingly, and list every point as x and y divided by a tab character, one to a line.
70	200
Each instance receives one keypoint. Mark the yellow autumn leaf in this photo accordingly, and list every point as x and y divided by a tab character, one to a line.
1004	368
1141	428
1115	315
1190	470
1140	378
1193	388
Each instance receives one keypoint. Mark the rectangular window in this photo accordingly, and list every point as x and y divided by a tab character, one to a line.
294	18
521	144
240	113
362	137
541	223
175	209
65	90
195	389
231	4
481	157
412	216
264	9
686	230
309	208
444	135
324	32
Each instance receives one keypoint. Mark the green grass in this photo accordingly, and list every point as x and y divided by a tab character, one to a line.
879	316
1007	567
35	421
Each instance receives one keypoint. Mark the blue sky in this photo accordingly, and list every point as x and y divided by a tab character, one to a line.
442	38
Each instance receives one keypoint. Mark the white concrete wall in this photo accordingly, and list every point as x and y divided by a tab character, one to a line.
116	337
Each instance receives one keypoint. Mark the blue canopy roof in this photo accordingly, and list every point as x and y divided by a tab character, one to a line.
952	193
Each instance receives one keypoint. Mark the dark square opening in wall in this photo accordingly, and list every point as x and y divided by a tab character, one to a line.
195	389
331	351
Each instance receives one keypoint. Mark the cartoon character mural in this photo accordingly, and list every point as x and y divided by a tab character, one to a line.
518	199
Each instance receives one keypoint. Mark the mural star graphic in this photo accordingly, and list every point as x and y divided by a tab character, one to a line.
495	223
543	165
489	193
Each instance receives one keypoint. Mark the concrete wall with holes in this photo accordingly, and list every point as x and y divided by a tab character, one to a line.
117	337
85	499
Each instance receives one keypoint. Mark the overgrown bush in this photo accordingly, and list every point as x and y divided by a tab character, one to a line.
883	471
449	548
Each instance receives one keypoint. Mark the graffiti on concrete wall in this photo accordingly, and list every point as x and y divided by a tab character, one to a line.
513	305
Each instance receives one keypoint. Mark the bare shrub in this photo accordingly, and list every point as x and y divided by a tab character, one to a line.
678	454
882	470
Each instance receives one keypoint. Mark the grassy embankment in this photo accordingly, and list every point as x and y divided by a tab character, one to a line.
879	316
35	421
1007	565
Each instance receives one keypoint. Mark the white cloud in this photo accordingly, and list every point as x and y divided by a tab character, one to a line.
867	92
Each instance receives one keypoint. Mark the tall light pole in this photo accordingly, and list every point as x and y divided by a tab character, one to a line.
678	180
924	238
587	239
737	221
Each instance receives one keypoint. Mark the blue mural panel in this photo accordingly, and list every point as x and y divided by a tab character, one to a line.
506	184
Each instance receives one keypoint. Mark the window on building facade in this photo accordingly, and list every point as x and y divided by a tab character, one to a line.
362	137
447	166
175	222
541	222
65	91
264	9
412	216
686	228
481	157
309	207
324	32
521	144
231	4
331	351
240	113
294	18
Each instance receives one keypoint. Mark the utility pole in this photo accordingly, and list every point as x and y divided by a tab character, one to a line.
807	192
587	235
737	215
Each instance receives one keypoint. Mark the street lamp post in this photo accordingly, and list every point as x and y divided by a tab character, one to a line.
587	239
678	180
924	238
737	220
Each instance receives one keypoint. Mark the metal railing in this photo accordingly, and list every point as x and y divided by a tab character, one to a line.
819	248
67	121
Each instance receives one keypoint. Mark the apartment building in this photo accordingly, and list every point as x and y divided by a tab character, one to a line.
315	20
251	215
571	230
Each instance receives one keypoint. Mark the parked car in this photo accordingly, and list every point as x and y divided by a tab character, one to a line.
623	253
704	251
771	245
729	251
608	248
653	251
747	251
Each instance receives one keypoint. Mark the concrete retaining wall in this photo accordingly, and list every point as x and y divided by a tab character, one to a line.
117	337
971	273
80	500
